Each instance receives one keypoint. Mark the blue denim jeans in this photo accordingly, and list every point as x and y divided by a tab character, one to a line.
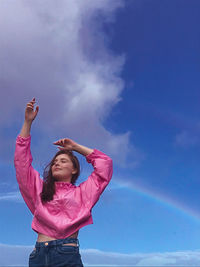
55	254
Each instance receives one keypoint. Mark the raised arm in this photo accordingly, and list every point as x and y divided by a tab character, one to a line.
98	180
28	179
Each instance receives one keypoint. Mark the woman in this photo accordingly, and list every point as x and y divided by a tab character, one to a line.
60	208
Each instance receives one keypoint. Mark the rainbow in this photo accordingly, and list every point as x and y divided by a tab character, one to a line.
156	196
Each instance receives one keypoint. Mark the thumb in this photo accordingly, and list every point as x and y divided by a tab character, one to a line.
36	110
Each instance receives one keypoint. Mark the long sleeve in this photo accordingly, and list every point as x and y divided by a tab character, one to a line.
93	187
29	181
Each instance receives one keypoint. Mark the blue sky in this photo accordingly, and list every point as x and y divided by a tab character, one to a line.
123	77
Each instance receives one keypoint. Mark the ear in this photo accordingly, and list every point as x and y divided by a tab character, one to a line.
74	171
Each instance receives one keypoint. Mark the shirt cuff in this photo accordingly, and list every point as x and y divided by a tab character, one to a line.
90	156
22	139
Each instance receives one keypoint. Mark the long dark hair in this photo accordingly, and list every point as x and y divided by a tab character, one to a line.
48	189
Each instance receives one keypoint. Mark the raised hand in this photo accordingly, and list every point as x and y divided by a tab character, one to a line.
66	143
70	145
30	114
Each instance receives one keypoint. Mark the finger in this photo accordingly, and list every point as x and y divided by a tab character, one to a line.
60	142
30	103
57	142
36	109
29	106
60	148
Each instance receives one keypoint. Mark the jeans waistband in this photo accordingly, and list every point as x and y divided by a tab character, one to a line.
57	242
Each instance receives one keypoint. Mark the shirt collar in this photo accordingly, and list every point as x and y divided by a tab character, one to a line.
64	185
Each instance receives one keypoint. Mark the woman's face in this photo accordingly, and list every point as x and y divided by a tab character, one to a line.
62	168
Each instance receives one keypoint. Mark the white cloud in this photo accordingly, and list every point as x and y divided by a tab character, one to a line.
94	257
58	52
186	139
156	261
11	196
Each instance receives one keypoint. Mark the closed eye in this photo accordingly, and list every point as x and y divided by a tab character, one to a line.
63	161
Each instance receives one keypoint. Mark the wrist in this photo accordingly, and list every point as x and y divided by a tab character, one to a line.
76	147
28	122
83	150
